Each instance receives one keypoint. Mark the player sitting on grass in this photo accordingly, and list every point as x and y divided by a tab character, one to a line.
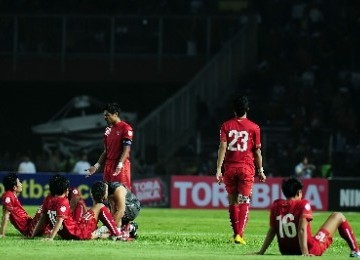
77	203
14	211
56	211
290	222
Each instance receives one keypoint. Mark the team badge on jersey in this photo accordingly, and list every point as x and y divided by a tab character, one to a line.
62	208
7	200
130	133
307	206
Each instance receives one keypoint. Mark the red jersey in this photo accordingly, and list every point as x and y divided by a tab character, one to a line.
113	139
55	207
18	216
242	137
80	208
284	218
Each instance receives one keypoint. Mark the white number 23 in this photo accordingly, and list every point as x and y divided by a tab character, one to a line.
239	141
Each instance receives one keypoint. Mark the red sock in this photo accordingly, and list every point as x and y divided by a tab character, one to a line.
243	216
107	219
347	233
234	218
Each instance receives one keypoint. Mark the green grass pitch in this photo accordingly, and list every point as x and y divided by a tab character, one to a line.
171	234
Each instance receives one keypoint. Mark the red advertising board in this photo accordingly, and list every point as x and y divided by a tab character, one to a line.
148	190
204	192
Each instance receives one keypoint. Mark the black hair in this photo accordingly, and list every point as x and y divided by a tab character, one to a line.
113	108
241	105
58	184
98	190
291	186
10	180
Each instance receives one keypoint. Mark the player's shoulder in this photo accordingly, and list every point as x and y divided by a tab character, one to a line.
305	203
8	193
7	197
252	123
278	202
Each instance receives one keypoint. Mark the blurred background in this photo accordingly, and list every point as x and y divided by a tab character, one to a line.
174	66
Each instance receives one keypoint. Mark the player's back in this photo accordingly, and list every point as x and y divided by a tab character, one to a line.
59	207
285	217
241	135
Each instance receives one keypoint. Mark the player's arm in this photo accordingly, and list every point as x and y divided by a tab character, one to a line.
268	239
220	160
302	235
57	226
97	165
119	200
125	154
4	221
39	225
259	164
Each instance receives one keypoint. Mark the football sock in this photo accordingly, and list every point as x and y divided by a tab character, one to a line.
347	233
234	217
107	219
243	215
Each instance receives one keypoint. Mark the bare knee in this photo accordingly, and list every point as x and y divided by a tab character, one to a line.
339	216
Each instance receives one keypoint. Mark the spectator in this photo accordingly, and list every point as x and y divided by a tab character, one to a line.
82	165
26	166
304	169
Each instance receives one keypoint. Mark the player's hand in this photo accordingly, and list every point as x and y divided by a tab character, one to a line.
219	177
262	177
91	171
118	169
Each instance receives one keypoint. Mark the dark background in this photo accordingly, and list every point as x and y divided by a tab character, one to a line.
282	93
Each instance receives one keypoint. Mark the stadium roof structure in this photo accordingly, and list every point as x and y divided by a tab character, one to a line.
79	125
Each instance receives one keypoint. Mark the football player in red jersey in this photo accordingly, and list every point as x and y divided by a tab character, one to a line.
118	138
239	159
77	203
13	209
290	221
56	211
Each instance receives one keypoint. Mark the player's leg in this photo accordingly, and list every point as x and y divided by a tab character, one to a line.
102	213
245	186
337	221
230	181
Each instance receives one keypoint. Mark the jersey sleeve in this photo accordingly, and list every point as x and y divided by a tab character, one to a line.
63	208
223	137
272	219
8	201
306	210
128	133
257	137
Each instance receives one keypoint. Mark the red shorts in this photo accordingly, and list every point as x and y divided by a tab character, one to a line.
81	231
320	242
124	176
238	180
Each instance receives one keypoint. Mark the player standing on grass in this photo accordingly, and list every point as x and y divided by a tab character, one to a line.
290	221
56	211
118	138
239	155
